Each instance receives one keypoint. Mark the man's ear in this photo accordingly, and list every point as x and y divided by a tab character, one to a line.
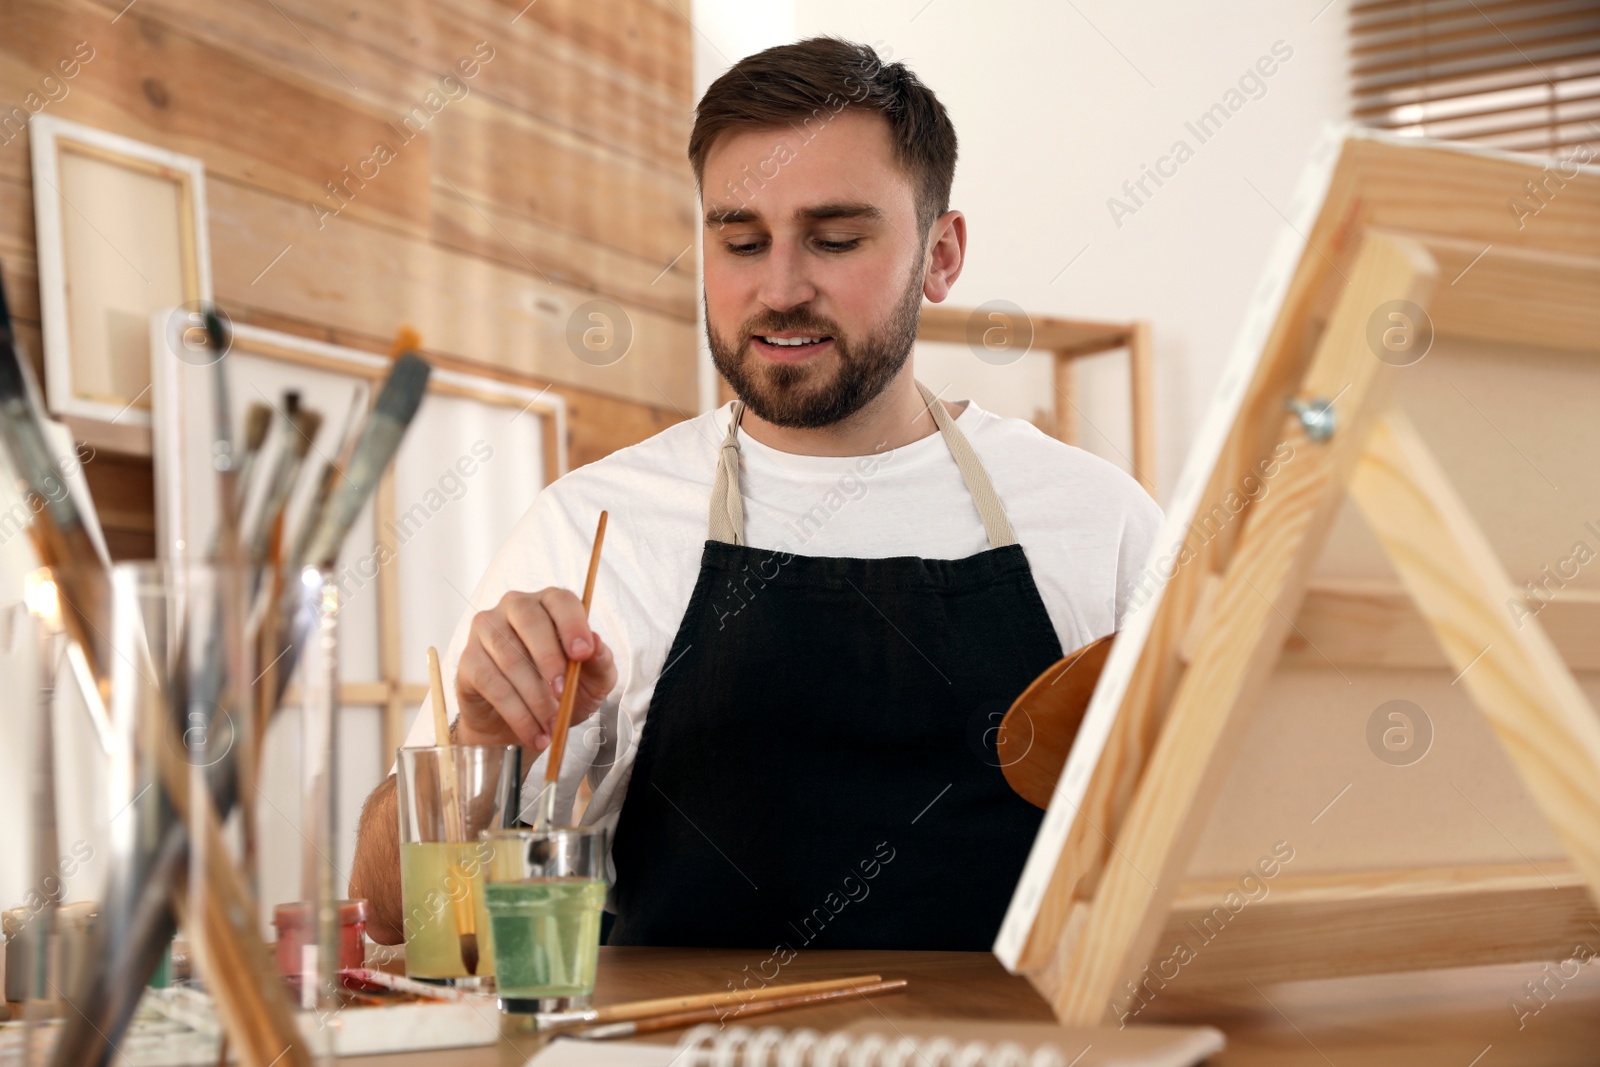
947	250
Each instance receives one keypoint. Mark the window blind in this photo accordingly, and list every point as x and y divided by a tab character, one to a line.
1522	75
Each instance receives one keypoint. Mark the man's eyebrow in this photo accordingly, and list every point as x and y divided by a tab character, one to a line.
729	216
840	210
732	216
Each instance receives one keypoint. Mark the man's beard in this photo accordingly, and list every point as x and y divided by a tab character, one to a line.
796	395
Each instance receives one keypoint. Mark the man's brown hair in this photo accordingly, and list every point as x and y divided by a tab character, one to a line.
805	84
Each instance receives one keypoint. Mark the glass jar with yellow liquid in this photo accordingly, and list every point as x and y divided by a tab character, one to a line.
448	796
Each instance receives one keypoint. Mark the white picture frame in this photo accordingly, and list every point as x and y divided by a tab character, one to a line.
374	669
121	231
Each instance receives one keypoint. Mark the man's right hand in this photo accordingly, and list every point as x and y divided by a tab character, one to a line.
509	677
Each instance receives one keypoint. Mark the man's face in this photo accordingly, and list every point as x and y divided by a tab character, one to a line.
811	237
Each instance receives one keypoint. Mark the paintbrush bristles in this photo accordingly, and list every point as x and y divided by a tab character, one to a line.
216	332
398	402
303	426
406	339
306	424
257	421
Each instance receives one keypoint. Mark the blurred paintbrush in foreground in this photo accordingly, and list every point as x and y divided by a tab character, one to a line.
235	961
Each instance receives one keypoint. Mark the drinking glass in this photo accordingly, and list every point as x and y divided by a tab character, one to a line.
545	890
448	796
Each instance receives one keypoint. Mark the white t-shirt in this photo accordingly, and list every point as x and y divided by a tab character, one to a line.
1085	526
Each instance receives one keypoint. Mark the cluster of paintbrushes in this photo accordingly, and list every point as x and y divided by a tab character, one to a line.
146	898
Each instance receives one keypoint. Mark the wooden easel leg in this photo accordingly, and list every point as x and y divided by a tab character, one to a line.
1098	963
1514	673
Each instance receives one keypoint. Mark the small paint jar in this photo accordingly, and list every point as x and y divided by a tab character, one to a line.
297	928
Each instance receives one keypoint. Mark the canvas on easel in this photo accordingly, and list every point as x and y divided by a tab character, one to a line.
1392	244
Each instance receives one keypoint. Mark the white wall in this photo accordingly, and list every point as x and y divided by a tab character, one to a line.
725	31
1056	105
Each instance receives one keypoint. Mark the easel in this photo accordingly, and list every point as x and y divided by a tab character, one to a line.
1384	219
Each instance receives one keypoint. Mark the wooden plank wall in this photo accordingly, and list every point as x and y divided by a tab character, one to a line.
549	172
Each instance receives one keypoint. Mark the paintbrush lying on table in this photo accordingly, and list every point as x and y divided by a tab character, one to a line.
637	1010
781	998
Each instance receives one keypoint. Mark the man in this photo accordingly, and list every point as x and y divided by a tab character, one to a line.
816	602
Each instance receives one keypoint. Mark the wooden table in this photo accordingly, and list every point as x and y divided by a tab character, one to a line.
1459	1018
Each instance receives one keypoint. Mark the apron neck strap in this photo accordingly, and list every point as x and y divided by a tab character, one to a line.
727	509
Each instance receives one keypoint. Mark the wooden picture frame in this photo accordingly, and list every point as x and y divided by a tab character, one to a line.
1066	341
121	231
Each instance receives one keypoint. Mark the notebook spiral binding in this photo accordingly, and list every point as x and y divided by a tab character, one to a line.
709	1045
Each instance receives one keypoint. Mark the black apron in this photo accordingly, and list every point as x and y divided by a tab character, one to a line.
818	766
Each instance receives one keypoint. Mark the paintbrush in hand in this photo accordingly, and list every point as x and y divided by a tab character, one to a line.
569	697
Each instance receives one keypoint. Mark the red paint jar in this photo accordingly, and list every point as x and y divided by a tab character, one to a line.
296	926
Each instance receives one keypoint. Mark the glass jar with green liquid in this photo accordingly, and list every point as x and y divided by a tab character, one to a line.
545	890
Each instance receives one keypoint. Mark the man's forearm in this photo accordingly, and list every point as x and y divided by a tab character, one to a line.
376	872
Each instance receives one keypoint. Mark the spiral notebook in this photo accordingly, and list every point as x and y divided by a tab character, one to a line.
877	1042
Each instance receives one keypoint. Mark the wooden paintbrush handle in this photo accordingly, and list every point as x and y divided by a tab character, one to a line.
639	1009
233	959
569	689
761	1007
449	783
